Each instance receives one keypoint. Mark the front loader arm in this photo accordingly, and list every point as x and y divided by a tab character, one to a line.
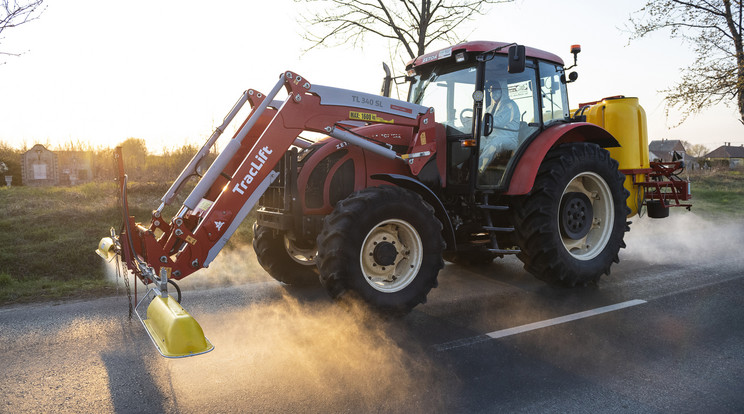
233	184
226	194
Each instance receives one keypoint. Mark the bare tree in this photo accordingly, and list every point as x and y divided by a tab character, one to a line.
412	24
713	28
14	14
695	150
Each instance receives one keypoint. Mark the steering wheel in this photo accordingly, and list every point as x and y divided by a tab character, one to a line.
464	118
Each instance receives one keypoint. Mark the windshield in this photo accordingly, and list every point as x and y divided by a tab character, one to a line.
450	92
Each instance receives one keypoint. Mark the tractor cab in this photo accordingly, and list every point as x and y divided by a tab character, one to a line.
490	111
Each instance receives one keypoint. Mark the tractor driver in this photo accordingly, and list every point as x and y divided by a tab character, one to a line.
505	114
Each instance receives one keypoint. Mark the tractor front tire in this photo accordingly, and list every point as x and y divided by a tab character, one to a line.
383	245
570	227
283	259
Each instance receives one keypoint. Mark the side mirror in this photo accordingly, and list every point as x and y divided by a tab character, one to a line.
516	59
571	77
487	124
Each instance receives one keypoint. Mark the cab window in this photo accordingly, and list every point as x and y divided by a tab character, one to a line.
553	92
449	91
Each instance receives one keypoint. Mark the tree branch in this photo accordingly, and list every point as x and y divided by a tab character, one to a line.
13	15
414	24
714	31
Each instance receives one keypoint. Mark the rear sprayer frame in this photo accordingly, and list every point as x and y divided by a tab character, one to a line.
661	187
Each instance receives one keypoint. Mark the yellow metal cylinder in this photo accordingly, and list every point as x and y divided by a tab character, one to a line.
625	119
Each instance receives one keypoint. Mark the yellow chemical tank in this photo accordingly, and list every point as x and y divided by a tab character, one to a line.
625	119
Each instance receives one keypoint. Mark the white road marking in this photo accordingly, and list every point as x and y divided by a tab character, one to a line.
563	319
537	325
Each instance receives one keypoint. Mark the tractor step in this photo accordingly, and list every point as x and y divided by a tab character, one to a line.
491	207
505	251
499	229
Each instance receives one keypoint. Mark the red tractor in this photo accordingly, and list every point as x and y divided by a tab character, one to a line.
484	159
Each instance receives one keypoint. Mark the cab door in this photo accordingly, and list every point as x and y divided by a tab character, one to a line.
509	118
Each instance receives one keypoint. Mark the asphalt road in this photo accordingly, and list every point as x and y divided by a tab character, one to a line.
662	334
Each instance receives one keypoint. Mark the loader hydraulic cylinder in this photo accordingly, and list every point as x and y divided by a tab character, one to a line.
229	152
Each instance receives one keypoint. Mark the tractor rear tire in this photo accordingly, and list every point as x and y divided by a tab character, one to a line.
570	227
282	259
382	245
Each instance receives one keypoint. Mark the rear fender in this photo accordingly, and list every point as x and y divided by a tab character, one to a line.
528	163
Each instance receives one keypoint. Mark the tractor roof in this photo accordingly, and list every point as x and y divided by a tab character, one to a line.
479	46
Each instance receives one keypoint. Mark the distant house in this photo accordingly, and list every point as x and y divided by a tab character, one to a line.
42	167
727	155
39	167
664	149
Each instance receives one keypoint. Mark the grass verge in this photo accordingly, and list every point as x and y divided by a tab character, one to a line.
718	195
48	236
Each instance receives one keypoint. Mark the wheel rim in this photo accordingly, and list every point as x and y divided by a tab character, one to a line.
585	228
391	255
302	255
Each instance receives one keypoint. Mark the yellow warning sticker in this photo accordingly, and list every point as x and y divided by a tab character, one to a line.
190	240
368	117
423	138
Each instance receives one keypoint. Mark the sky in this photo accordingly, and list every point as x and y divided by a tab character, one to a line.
168	71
